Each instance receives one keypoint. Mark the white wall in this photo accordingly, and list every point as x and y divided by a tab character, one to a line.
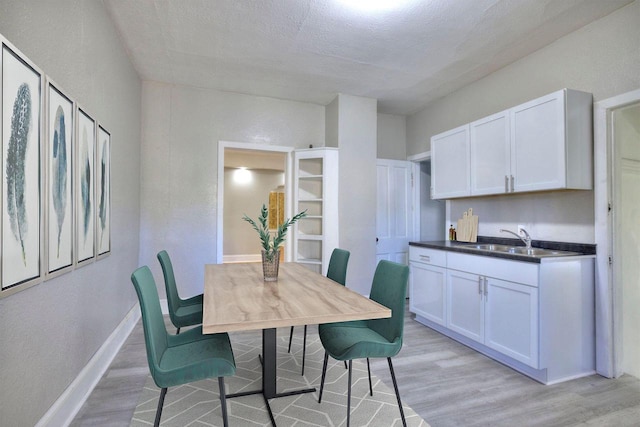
181	127
50	331
602	58
392	137
357	136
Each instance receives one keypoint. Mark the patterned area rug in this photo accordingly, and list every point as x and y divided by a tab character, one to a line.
197	404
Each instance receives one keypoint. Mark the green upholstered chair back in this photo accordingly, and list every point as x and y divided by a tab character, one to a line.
389	288
173	300
155	333
337	270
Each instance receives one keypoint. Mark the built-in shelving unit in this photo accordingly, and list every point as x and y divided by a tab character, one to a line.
316	191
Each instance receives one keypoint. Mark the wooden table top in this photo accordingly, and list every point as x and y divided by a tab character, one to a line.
237	299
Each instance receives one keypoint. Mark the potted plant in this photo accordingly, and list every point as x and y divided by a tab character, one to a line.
271	244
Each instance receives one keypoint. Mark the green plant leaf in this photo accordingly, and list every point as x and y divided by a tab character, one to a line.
270	246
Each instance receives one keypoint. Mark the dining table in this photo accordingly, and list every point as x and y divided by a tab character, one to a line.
236	298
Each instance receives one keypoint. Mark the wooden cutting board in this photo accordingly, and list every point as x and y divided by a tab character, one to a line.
467	227
462	232
472	225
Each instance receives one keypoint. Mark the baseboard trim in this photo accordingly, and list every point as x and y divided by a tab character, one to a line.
227	259
64	410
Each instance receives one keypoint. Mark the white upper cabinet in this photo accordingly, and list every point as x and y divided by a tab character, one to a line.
490	145
552	142
544	144
450	164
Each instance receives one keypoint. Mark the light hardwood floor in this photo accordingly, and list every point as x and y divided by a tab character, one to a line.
445	382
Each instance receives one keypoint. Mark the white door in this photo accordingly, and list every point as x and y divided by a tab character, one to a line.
394	216
511	320
465	304
626	133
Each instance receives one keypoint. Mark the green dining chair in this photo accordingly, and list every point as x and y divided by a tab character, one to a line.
180	359
371	338
336	271
183	312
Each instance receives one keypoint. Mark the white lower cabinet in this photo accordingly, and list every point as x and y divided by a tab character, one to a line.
499	314
427	290
427	284
511	320
537	318
465	304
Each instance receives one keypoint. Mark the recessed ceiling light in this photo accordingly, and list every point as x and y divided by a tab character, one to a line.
375	5
242	176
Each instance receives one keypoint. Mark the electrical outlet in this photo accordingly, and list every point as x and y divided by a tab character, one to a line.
520	227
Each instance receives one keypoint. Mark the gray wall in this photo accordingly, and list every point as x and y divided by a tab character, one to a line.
392	137
50	331
181	129
602	58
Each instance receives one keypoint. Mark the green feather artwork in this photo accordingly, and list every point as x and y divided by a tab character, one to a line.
102	208
15	166
85	184
59	171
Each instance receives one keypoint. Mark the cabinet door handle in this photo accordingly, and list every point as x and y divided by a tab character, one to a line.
506	184
512	189
425	258
486	289
480	286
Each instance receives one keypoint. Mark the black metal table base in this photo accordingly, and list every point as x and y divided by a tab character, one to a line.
268	362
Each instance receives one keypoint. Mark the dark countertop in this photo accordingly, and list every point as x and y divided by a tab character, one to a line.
581	249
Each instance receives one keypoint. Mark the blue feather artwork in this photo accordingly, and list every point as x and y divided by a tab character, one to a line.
85	184
15	166
102	209
59	171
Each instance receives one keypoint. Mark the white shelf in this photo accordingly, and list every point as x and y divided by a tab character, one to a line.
316	190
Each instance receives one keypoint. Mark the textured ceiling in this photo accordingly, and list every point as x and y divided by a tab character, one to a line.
310	50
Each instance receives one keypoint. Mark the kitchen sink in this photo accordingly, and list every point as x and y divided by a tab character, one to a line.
519	250
492	247
539	252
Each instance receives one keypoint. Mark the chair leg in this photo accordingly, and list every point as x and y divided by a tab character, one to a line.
345	364
349	395
178	331
369	372
290	339
395	387
163	393
304	348
223	402
324	372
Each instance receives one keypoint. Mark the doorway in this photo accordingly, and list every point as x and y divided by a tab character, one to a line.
626	237
249	175
617	209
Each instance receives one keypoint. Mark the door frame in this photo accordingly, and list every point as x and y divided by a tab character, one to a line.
608	293
220	184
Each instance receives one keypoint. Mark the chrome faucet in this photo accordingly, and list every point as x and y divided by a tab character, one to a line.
526	239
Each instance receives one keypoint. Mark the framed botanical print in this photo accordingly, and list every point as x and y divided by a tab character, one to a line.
103	192
84	188
21	164
59	182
